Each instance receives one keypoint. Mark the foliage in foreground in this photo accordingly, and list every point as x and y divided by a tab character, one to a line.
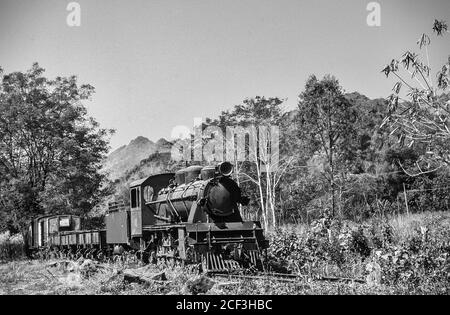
411	255
402	255
11	246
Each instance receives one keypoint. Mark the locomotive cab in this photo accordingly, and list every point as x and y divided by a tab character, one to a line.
124	224
142	194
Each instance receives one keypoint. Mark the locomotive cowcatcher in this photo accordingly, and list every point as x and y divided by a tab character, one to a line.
191	216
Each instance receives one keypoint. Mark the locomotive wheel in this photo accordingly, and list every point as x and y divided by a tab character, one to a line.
171	262
100	256
190	255
160	263
143	257
152	257
117	259
179	263
195	268
42	254
165	263
129	257
203	266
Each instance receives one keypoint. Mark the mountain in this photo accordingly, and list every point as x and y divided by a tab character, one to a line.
127	157
142	157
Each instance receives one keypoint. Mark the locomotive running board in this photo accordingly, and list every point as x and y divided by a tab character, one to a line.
225	226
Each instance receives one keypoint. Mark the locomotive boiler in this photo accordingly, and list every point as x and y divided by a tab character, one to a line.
200	194
191	216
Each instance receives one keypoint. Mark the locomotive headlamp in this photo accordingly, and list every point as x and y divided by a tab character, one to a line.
225	168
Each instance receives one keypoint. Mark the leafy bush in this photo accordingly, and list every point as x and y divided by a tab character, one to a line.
11	247
413	262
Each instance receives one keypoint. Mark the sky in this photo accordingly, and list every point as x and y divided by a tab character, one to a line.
157	64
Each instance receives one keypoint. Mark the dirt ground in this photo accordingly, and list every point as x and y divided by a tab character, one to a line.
59	277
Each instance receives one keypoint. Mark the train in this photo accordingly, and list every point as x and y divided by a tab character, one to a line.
191	216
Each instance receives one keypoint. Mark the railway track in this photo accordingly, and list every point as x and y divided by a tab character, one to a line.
242	274
283	277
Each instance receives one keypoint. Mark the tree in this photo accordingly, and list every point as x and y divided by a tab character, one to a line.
260	119
421	116
50	150
326	120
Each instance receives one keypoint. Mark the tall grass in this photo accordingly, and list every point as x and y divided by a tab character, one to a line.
11	246
405	252
406	226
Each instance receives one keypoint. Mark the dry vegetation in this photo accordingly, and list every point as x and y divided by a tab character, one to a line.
34	277
401	255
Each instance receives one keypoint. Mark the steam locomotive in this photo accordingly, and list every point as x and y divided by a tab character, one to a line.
191	216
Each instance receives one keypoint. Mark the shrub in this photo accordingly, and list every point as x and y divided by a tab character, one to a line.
11	246
414	261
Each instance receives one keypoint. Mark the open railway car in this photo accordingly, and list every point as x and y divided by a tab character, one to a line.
191	216
58	235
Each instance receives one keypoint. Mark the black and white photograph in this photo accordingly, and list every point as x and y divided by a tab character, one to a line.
223	152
